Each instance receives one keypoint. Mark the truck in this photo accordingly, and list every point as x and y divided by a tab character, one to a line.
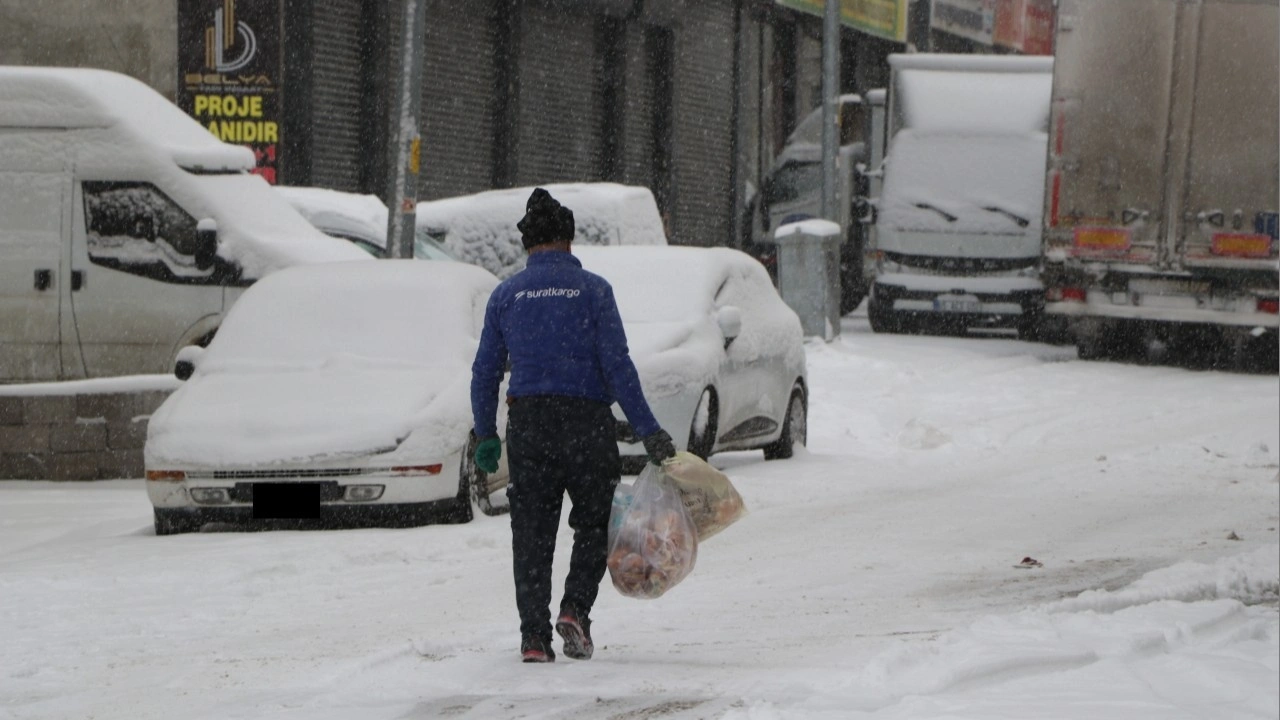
1161	186
955	184
792	192
127	230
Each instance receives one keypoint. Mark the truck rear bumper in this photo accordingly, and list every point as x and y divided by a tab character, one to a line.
1164	314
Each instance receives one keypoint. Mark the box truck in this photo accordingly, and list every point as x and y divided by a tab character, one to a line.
956	185
126	228
1161	193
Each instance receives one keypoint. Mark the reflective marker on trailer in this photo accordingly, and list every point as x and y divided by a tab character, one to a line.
1269	305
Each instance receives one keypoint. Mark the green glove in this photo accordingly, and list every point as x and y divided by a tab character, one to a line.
487	454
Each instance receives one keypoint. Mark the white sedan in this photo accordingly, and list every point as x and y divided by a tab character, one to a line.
334	392
720	355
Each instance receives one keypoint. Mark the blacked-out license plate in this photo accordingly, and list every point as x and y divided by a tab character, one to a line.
286	501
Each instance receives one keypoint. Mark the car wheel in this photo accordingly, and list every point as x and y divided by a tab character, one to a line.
795	428
702	429
461	510
173	521
475	482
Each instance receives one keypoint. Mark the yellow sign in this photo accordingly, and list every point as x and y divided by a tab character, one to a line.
885	18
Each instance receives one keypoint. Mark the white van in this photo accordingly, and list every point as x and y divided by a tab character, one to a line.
126	228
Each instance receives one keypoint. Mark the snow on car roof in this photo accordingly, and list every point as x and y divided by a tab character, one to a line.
481	228
84	97
402	311
350	214
660	284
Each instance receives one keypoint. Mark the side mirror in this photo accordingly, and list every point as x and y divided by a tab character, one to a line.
729	318
184	366
206	243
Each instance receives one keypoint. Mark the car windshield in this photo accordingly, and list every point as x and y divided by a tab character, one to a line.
379	313
655	285
427	248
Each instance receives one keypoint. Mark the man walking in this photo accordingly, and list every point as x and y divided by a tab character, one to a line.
559	326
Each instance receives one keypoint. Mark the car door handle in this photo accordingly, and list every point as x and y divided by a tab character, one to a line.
77	280
44	280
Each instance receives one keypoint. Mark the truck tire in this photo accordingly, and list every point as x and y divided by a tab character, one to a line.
176	521
883	320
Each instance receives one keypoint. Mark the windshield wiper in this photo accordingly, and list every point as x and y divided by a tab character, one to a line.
935	208
1022	222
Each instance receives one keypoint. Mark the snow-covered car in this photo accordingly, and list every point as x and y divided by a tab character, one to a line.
481	228
720	355
337	392
362	219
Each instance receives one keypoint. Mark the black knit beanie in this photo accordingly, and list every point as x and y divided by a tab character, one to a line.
545	220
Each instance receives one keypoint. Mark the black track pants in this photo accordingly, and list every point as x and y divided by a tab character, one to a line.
557	445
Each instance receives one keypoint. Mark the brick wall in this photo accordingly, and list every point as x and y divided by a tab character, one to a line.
91	436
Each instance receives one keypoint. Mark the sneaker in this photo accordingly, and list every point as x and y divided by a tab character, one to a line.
576	632
536	650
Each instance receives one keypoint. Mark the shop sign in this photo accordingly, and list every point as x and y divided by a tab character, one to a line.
972	19
883	18
230	71
1025	25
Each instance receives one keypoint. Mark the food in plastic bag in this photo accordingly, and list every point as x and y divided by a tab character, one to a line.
655	544
713	503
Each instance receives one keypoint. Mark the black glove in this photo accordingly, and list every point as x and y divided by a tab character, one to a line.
659	446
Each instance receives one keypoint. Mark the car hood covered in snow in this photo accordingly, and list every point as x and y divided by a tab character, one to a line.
340	410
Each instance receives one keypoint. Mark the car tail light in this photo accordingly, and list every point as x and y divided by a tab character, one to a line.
166	475
1065	294
1269	305
418	469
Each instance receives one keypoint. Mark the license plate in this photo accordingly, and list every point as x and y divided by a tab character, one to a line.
1162	286
957	305
286	501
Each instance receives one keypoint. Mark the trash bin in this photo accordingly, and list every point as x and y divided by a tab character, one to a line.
809	274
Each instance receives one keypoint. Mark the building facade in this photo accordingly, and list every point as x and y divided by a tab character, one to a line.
691	98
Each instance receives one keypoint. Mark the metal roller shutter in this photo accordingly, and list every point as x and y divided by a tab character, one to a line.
337	93
560	115
457	99
703	142
638	123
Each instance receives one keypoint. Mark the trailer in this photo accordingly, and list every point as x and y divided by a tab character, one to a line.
1161	194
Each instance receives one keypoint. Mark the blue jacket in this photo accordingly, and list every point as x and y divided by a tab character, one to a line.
560	326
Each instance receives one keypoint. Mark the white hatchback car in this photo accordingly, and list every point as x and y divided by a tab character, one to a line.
720	355
337	392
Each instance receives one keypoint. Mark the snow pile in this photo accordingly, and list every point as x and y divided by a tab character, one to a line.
817	228
1180	637
95	386
329	361
481	228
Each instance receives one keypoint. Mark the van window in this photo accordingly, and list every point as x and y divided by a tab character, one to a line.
136	228
794	181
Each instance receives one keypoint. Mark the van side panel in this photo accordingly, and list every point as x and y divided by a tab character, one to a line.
31	273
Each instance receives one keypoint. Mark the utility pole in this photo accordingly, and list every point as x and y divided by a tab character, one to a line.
406	104
830	107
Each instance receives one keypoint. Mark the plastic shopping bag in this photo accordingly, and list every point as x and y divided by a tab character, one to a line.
655	543
713	503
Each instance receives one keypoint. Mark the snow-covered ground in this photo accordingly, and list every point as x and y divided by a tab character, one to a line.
878	575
